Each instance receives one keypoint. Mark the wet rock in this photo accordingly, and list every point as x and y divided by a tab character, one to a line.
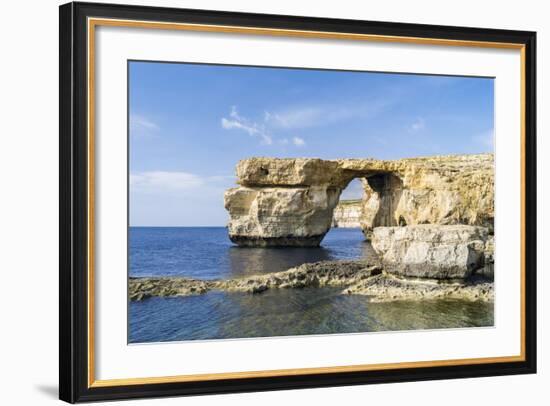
318	274
143	288
365	277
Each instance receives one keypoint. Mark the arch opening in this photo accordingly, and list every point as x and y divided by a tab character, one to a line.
349	208
370	201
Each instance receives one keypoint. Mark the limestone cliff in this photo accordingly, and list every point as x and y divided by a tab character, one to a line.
433	251
290	202
347	214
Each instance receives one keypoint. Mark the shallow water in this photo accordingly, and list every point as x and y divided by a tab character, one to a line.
206	253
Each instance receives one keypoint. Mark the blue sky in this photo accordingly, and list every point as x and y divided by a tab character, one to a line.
190	124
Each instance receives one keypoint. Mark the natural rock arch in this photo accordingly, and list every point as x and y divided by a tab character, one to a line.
290	202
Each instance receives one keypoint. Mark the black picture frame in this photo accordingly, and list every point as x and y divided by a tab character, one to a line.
74	199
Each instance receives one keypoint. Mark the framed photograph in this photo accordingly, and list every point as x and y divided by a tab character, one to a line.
256	202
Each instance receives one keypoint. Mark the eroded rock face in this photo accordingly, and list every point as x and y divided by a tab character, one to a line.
288	172
432	251
291	201
347	214
280	216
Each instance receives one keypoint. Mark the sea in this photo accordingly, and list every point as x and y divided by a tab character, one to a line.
207	253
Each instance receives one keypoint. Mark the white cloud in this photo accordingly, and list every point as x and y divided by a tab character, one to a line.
220	178
319	115
241	123
299	118
290	119
164	180
178	198
177	181
418	124
141	125
299	142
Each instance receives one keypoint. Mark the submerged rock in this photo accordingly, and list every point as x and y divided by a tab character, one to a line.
432	251
290	202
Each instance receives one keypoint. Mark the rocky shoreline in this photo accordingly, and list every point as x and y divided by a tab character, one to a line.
388	288
354	277
419	262
318	274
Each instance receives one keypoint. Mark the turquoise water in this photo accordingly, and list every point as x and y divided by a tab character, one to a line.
207	253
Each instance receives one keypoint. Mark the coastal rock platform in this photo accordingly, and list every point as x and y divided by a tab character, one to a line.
354	277
318	274
387	288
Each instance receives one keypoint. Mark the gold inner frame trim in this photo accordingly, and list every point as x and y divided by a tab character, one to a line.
94	22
